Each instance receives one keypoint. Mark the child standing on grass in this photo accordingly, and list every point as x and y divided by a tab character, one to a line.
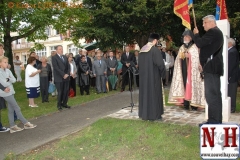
6	79
2	101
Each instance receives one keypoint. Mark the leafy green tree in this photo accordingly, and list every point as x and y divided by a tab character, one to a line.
30	18
116	22
28	21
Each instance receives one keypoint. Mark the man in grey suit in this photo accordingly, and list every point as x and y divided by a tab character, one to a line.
112	65
61	70
99	69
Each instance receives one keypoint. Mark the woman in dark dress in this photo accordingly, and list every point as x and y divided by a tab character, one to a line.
83	72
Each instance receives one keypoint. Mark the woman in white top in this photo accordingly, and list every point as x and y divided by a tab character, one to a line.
17	68
32	81
73	71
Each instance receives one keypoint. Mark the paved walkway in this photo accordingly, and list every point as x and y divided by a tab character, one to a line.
60	124
72	120
174	115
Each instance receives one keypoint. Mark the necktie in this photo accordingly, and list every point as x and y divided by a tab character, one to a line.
100	62
127	55
62	58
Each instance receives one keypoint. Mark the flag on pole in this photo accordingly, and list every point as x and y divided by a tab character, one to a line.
190	4
221	10
181	10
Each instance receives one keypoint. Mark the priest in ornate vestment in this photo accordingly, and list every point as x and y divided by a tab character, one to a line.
187	86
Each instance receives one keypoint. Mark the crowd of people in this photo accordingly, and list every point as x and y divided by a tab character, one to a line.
194	75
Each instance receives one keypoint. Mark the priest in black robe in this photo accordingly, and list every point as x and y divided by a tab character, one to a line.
151	73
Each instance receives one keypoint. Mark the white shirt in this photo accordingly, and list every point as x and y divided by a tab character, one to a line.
16	67
31	81
71	66
168	61
171	61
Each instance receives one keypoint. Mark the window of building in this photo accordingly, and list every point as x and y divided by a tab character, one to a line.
73	49
57	32
18	41
24	59
52	48
47	31
42	52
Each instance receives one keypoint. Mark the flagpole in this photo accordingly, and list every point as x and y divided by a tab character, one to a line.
194	17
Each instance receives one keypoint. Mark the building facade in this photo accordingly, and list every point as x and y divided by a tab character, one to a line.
21	47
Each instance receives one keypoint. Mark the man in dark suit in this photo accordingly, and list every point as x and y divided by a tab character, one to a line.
61	70
77	57
211	60
233	65
159	46
112	65
136	53
126	59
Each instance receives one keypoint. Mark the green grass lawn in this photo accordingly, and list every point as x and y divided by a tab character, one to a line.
46	108
117	139
112	138
238	100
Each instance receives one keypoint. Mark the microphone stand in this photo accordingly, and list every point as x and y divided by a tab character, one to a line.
131	90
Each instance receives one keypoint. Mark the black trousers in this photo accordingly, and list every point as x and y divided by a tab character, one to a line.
63	91
213	96
93	82
171	73
84	88
44	84
137	80
2	103
125	80
72	84
232	92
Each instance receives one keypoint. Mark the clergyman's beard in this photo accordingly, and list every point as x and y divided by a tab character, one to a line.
186	42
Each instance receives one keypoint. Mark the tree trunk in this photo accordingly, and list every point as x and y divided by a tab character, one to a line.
8	50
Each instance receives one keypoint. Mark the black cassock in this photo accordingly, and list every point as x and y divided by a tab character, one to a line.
151	72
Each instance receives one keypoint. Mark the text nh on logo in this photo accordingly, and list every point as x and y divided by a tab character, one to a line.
219	141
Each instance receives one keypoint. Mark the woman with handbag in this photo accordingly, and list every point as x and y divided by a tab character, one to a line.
45	78
83	72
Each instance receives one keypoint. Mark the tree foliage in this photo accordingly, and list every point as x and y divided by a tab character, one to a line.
116	22
30	18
